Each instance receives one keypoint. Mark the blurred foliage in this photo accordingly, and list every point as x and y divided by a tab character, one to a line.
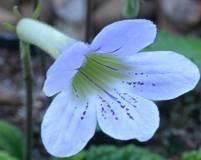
129	152
192	155
186	45
6	156
131	8
79	156
109	152
11	140
12	143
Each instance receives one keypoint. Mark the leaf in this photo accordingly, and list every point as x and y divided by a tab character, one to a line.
131	8
11	140
110	152
192	155
79	156
186	45
6	156
129	152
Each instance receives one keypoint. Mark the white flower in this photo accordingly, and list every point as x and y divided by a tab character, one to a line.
110	82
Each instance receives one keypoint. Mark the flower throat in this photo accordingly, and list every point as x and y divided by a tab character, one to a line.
98	73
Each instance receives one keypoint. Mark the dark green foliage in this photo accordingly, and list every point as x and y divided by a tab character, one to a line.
131	8
109	152
193	155
11	140
129	152
6	156
79	156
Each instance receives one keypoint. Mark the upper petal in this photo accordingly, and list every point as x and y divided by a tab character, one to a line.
161	75
64	68
67	126
125	37
123	115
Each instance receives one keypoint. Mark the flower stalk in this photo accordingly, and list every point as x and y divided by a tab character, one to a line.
27	75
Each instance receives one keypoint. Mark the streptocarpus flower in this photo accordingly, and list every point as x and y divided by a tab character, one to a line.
110	83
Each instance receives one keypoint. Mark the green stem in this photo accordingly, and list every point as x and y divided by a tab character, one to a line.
27	74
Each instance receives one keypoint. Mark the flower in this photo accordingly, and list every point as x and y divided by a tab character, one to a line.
110	83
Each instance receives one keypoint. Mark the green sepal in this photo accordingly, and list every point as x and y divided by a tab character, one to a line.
9	27
37	12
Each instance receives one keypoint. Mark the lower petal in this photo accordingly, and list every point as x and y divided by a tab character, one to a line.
125	116
161	75
67	126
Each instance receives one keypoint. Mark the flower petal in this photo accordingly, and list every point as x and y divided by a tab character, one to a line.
162	75
126	37
126	116
64	68
67	126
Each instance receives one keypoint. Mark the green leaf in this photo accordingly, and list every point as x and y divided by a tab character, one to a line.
129	152
186	45
11	139
131	8
110	152
79	156
192	155
6	156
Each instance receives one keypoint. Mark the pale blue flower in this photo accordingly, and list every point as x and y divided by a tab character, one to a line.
109	83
